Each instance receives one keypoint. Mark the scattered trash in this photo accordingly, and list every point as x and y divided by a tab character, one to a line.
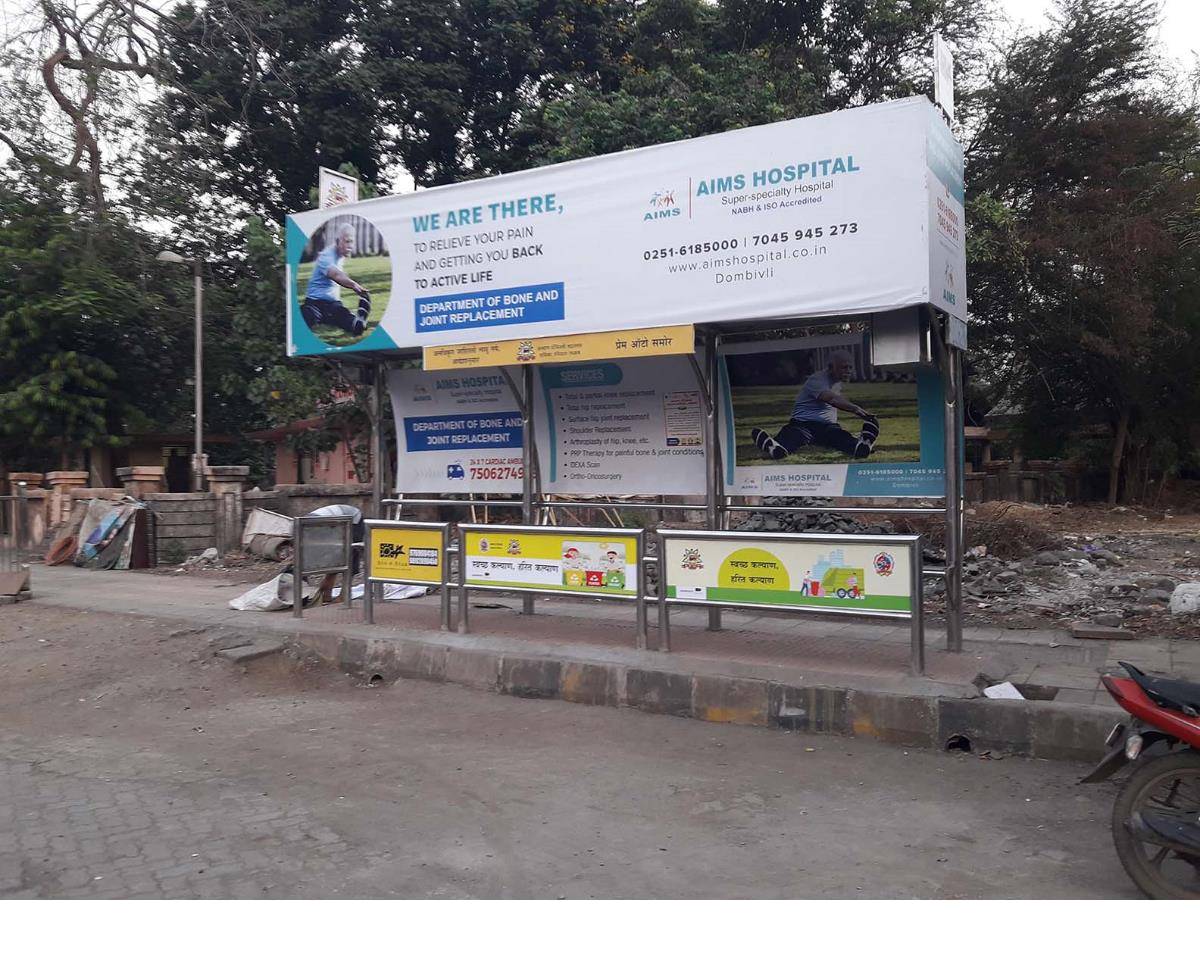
272	595
390	592
1005	691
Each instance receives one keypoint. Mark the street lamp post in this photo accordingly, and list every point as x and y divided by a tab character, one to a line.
198	371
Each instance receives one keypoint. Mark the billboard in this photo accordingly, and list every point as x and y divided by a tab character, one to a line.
814	417
825	215
776	571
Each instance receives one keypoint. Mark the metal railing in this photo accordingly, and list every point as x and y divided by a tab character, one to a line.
911	543
466	583
329	556
12	531
414	531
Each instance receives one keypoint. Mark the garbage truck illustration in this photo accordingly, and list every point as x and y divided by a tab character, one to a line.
845	583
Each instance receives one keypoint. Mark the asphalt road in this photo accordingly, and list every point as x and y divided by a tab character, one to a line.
134	764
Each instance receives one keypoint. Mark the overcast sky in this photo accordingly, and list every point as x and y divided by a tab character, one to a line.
1180	33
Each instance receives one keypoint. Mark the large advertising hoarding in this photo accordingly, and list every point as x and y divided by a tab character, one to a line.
814	417
761	570
825	215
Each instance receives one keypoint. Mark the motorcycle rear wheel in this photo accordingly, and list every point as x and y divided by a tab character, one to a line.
1169	782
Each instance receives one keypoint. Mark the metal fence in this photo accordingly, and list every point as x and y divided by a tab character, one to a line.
323	545
13	532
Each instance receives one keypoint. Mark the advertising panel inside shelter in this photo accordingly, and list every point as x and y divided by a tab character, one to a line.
842	213
814	417
634	425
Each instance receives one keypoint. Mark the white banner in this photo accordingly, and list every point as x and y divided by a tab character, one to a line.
616	427
826	215
456	432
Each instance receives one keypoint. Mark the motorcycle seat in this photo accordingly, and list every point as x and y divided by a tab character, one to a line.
1166	692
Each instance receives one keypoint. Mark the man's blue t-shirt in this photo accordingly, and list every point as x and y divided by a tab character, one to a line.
809	407
320	286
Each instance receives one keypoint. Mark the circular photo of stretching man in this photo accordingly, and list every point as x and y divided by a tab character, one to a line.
344	280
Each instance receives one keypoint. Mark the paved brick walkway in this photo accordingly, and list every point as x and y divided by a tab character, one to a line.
135	764
142	832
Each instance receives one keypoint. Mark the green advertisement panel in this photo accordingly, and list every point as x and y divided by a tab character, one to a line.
820	572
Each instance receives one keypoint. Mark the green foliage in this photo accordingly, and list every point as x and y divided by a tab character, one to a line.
85	353
1082	237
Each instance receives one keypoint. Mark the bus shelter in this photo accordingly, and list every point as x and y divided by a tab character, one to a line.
727	325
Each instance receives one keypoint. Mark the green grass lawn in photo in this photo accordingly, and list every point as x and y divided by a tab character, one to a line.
769	407
375	273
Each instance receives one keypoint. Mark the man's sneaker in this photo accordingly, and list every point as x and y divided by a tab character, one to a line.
862	449
769	448
870	430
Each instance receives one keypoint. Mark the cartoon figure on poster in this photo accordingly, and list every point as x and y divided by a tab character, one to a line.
593	565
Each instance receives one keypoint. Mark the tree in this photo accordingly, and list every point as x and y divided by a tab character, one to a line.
265	91
1083	236
689	68
85	353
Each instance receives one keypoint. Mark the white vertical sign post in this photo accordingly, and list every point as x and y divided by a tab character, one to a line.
943	76
334	188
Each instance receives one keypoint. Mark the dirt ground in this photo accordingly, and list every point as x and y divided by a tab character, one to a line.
133	763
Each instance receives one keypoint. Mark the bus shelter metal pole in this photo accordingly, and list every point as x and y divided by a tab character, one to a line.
297	564
527	461
664	610
446	577
464	604
348	574
951	369
713	488
917	623
368	585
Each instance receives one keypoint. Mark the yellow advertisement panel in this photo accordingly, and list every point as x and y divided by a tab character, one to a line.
413	554
560	350
833	575
566	561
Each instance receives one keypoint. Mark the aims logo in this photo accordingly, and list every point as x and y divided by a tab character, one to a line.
662	205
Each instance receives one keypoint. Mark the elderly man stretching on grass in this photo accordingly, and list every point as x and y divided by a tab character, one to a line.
323	298
814	418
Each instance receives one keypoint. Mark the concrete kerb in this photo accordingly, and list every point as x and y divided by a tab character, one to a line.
916	715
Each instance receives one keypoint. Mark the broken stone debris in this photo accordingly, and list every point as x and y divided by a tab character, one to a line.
1185	600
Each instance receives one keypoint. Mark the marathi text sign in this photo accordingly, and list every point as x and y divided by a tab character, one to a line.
821	572
556	560
820	216
563	350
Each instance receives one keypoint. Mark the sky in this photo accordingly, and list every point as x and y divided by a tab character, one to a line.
1179	34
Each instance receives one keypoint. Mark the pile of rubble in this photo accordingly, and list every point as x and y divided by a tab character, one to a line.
827	523
1092	583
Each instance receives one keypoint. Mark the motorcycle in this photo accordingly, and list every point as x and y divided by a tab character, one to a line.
1156	817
